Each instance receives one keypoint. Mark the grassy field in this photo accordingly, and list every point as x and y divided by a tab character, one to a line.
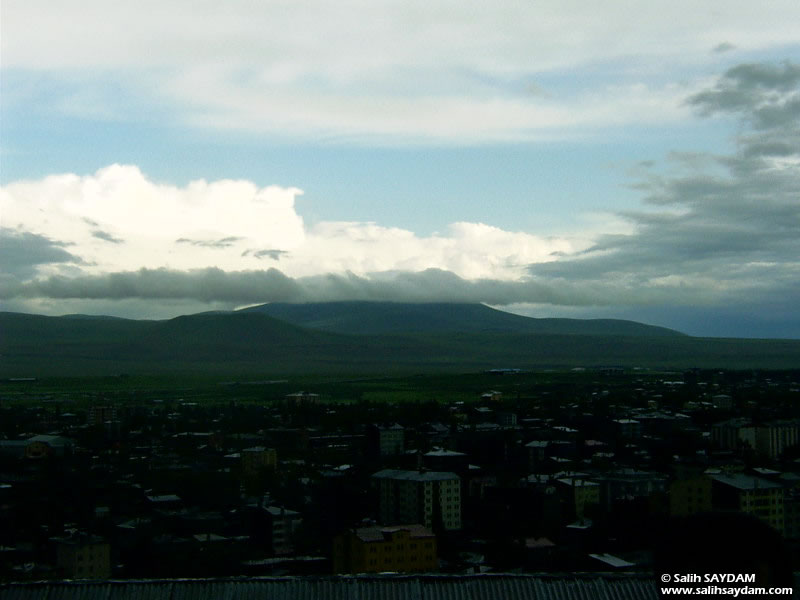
81	392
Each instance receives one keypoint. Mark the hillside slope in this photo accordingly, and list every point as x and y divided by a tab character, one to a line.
396	317
253	343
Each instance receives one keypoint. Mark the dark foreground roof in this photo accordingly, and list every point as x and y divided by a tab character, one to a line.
388	587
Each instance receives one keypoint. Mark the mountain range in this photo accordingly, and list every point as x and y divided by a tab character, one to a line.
359	338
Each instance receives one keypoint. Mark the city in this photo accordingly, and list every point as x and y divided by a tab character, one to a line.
504	471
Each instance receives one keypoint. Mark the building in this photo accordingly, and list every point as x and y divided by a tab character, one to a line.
302	399
386	440
580	494
733	434
42	446
257	459
82	556
627	483
401	548
722	401
749	494
440	459
775	437
282	525
99	415
689	496
627	428
431	498
406	587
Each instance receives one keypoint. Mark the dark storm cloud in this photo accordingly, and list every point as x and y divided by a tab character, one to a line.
21	252
765	94
225	242
215	285
107	237
729	226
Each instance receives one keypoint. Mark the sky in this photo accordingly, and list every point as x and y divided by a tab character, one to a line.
624	159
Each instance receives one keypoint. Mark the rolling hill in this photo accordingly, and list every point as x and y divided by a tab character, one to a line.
251	342
370	318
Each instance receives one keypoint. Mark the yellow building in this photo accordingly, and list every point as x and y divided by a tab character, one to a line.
580	494
690	496
82	556
753	495
401	548
257	458
42	446
256	463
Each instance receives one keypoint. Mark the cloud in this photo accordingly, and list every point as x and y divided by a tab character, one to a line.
104	235
209	217
713	231
248	287
235	225
358	72
271	253
767	95
225	242
722	230
22	252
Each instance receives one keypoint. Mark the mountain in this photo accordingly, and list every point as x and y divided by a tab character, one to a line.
251	342
370	318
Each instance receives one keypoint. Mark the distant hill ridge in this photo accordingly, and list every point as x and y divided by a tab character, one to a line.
371	318
415	339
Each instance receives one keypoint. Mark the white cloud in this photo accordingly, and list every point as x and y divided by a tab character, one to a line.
357	38
145	219
389	71
119	220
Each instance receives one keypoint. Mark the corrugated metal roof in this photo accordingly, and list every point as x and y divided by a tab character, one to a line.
389	587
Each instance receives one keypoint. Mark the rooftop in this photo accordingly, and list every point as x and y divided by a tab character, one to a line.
379	534
745	482
397	587
415	475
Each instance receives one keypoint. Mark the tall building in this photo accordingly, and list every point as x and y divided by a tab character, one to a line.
99	415
689	496
257	458
386	440
775	437
401	548
749	494
283	525
733	434
83	556
431	498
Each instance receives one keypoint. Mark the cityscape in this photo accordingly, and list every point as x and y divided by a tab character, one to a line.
410	300
532	472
